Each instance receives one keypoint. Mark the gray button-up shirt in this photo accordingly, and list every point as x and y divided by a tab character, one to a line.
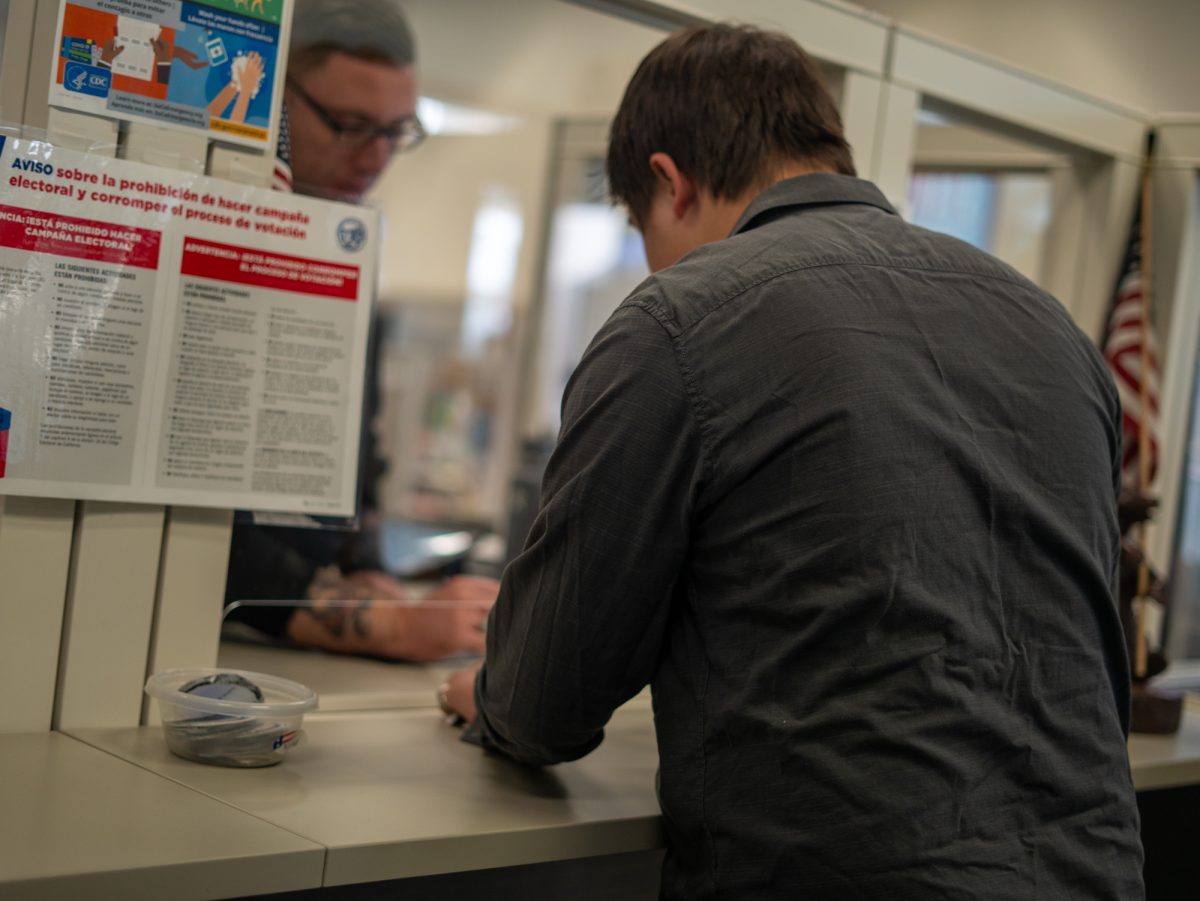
842	491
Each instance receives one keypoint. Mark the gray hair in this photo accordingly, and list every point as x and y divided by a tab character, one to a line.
372	27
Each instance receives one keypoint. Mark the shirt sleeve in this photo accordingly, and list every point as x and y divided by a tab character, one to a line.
579	621
263	566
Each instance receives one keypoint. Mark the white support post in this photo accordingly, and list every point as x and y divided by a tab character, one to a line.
1110	192
862	98
191	586
1062	256
1179	383
35	549
1177	164
110	605
36	83
1093	202
1176	256
896	140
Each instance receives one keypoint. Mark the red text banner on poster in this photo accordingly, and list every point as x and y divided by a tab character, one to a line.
83	239
281	272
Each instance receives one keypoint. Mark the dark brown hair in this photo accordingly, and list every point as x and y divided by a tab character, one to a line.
730	104
372	30
303	60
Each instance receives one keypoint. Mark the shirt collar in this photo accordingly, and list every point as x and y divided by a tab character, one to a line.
814	189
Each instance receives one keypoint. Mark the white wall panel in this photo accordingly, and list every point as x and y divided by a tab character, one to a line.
1176	291
110	605
955	75
861	107
833	32
14	61
895	143
35	550
191	588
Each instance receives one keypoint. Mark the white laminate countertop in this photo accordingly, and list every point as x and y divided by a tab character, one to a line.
341	681
396	794
78	823
344	682
371	795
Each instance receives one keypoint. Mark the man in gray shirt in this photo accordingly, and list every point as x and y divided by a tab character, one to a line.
843	491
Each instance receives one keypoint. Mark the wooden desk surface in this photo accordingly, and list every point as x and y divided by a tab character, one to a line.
397	794
79	823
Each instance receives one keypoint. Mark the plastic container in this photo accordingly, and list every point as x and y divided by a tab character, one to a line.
230	731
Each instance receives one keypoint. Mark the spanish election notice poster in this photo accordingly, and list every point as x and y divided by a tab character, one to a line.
210	66
171	338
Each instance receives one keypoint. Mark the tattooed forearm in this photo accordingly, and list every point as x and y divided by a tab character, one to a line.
336	618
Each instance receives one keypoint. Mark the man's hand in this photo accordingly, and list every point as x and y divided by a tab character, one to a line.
250	74
371	613
162	52
450	622
188	58
109	51
456	697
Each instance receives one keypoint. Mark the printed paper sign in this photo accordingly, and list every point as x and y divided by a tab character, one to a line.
171	338
210	66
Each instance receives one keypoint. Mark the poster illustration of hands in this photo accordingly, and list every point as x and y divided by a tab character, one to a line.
211	66
170	338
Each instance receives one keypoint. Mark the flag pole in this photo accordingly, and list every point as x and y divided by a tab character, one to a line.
1145	417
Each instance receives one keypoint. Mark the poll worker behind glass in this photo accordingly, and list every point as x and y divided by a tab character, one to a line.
350	107
843	491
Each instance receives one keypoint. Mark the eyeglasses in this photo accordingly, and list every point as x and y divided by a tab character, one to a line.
403	135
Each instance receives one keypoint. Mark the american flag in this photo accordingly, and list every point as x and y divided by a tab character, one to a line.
1123	343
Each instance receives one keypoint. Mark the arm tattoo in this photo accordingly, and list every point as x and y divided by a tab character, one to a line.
336	618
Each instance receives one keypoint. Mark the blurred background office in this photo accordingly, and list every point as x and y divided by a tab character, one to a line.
503	254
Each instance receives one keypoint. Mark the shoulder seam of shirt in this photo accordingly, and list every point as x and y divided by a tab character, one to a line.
831	262
672	331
